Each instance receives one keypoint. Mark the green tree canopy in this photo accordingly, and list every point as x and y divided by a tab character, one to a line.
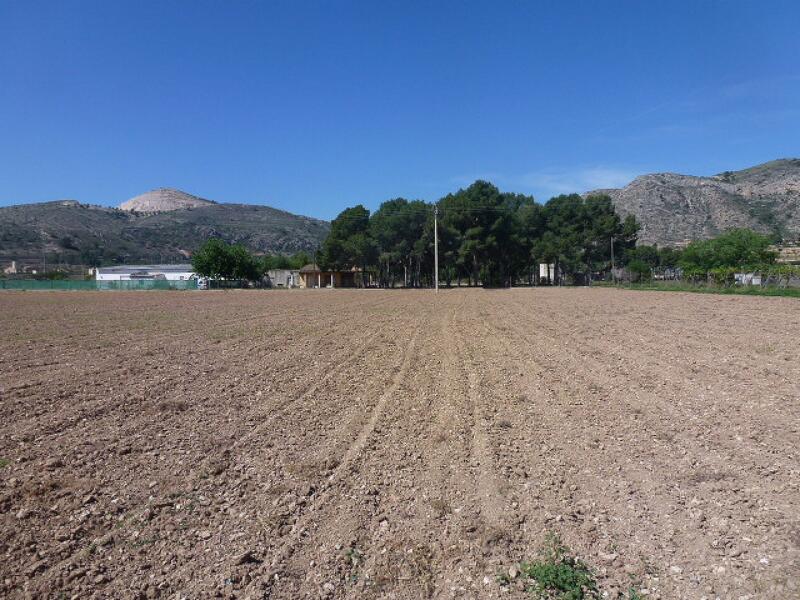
737	248
480	232
219	260
485	236
396	227
349	242
283	261
578	234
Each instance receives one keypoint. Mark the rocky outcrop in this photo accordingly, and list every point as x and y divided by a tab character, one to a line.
163	200
674	209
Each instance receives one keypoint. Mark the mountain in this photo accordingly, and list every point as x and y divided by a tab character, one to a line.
163	200
674	209
70	232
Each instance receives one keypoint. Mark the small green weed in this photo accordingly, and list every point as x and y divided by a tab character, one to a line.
354	556
559	576
4	462
354	559
143	541
711	289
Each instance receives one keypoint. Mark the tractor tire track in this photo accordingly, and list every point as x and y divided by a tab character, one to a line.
349	460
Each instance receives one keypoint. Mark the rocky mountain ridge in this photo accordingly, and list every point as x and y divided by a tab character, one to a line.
674	209
157	227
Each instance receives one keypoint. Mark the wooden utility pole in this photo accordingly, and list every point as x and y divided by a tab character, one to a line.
613	275
436	246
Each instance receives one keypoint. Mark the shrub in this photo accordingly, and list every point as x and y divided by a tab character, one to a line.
639	269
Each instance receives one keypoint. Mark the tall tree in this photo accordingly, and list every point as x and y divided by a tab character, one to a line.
478	225
581	232
219	260
396	227
339	251
349	243
213	260
531	228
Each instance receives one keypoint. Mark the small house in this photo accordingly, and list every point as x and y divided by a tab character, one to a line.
312	276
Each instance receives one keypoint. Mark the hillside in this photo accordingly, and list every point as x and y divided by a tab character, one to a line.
71	232
676	208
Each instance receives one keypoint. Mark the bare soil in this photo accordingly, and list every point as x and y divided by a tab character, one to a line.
374	444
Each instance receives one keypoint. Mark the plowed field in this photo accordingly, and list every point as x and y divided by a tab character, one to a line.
376	444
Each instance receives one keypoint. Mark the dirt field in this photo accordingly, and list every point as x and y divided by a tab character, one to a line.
372	444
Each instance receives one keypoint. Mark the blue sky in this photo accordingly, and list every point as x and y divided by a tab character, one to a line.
315	106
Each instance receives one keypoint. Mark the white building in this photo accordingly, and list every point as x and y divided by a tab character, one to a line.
287	278
145	272
547	272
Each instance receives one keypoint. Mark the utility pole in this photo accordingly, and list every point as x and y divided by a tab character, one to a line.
613	276
436	246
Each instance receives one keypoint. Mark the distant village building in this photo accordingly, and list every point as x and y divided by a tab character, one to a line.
312	276
747	278
547	272
12	269
144	272
788	254
286	278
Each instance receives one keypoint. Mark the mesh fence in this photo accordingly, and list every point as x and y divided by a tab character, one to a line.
56	284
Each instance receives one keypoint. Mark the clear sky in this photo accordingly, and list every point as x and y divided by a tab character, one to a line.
315	106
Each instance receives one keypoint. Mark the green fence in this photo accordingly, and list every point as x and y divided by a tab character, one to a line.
66	284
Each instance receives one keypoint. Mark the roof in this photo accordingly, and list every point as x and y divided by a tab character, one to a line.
314	268
310	268
126	269
281	271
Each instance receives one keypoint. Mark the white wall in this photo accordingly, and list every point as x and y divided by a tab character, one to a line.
172	276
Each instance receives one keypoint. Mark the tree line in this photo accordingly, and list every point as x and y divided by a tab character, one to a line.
491	238
486	237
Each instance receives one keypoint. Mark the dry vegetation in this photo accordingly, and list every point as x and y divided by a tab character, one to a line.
375	444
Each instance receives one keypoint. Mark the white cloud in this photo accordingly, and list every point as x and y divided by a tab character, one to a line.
577	180
546	183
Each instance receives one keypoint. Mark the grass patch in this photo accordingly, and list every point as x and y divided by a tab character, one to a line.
4	462
710	289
